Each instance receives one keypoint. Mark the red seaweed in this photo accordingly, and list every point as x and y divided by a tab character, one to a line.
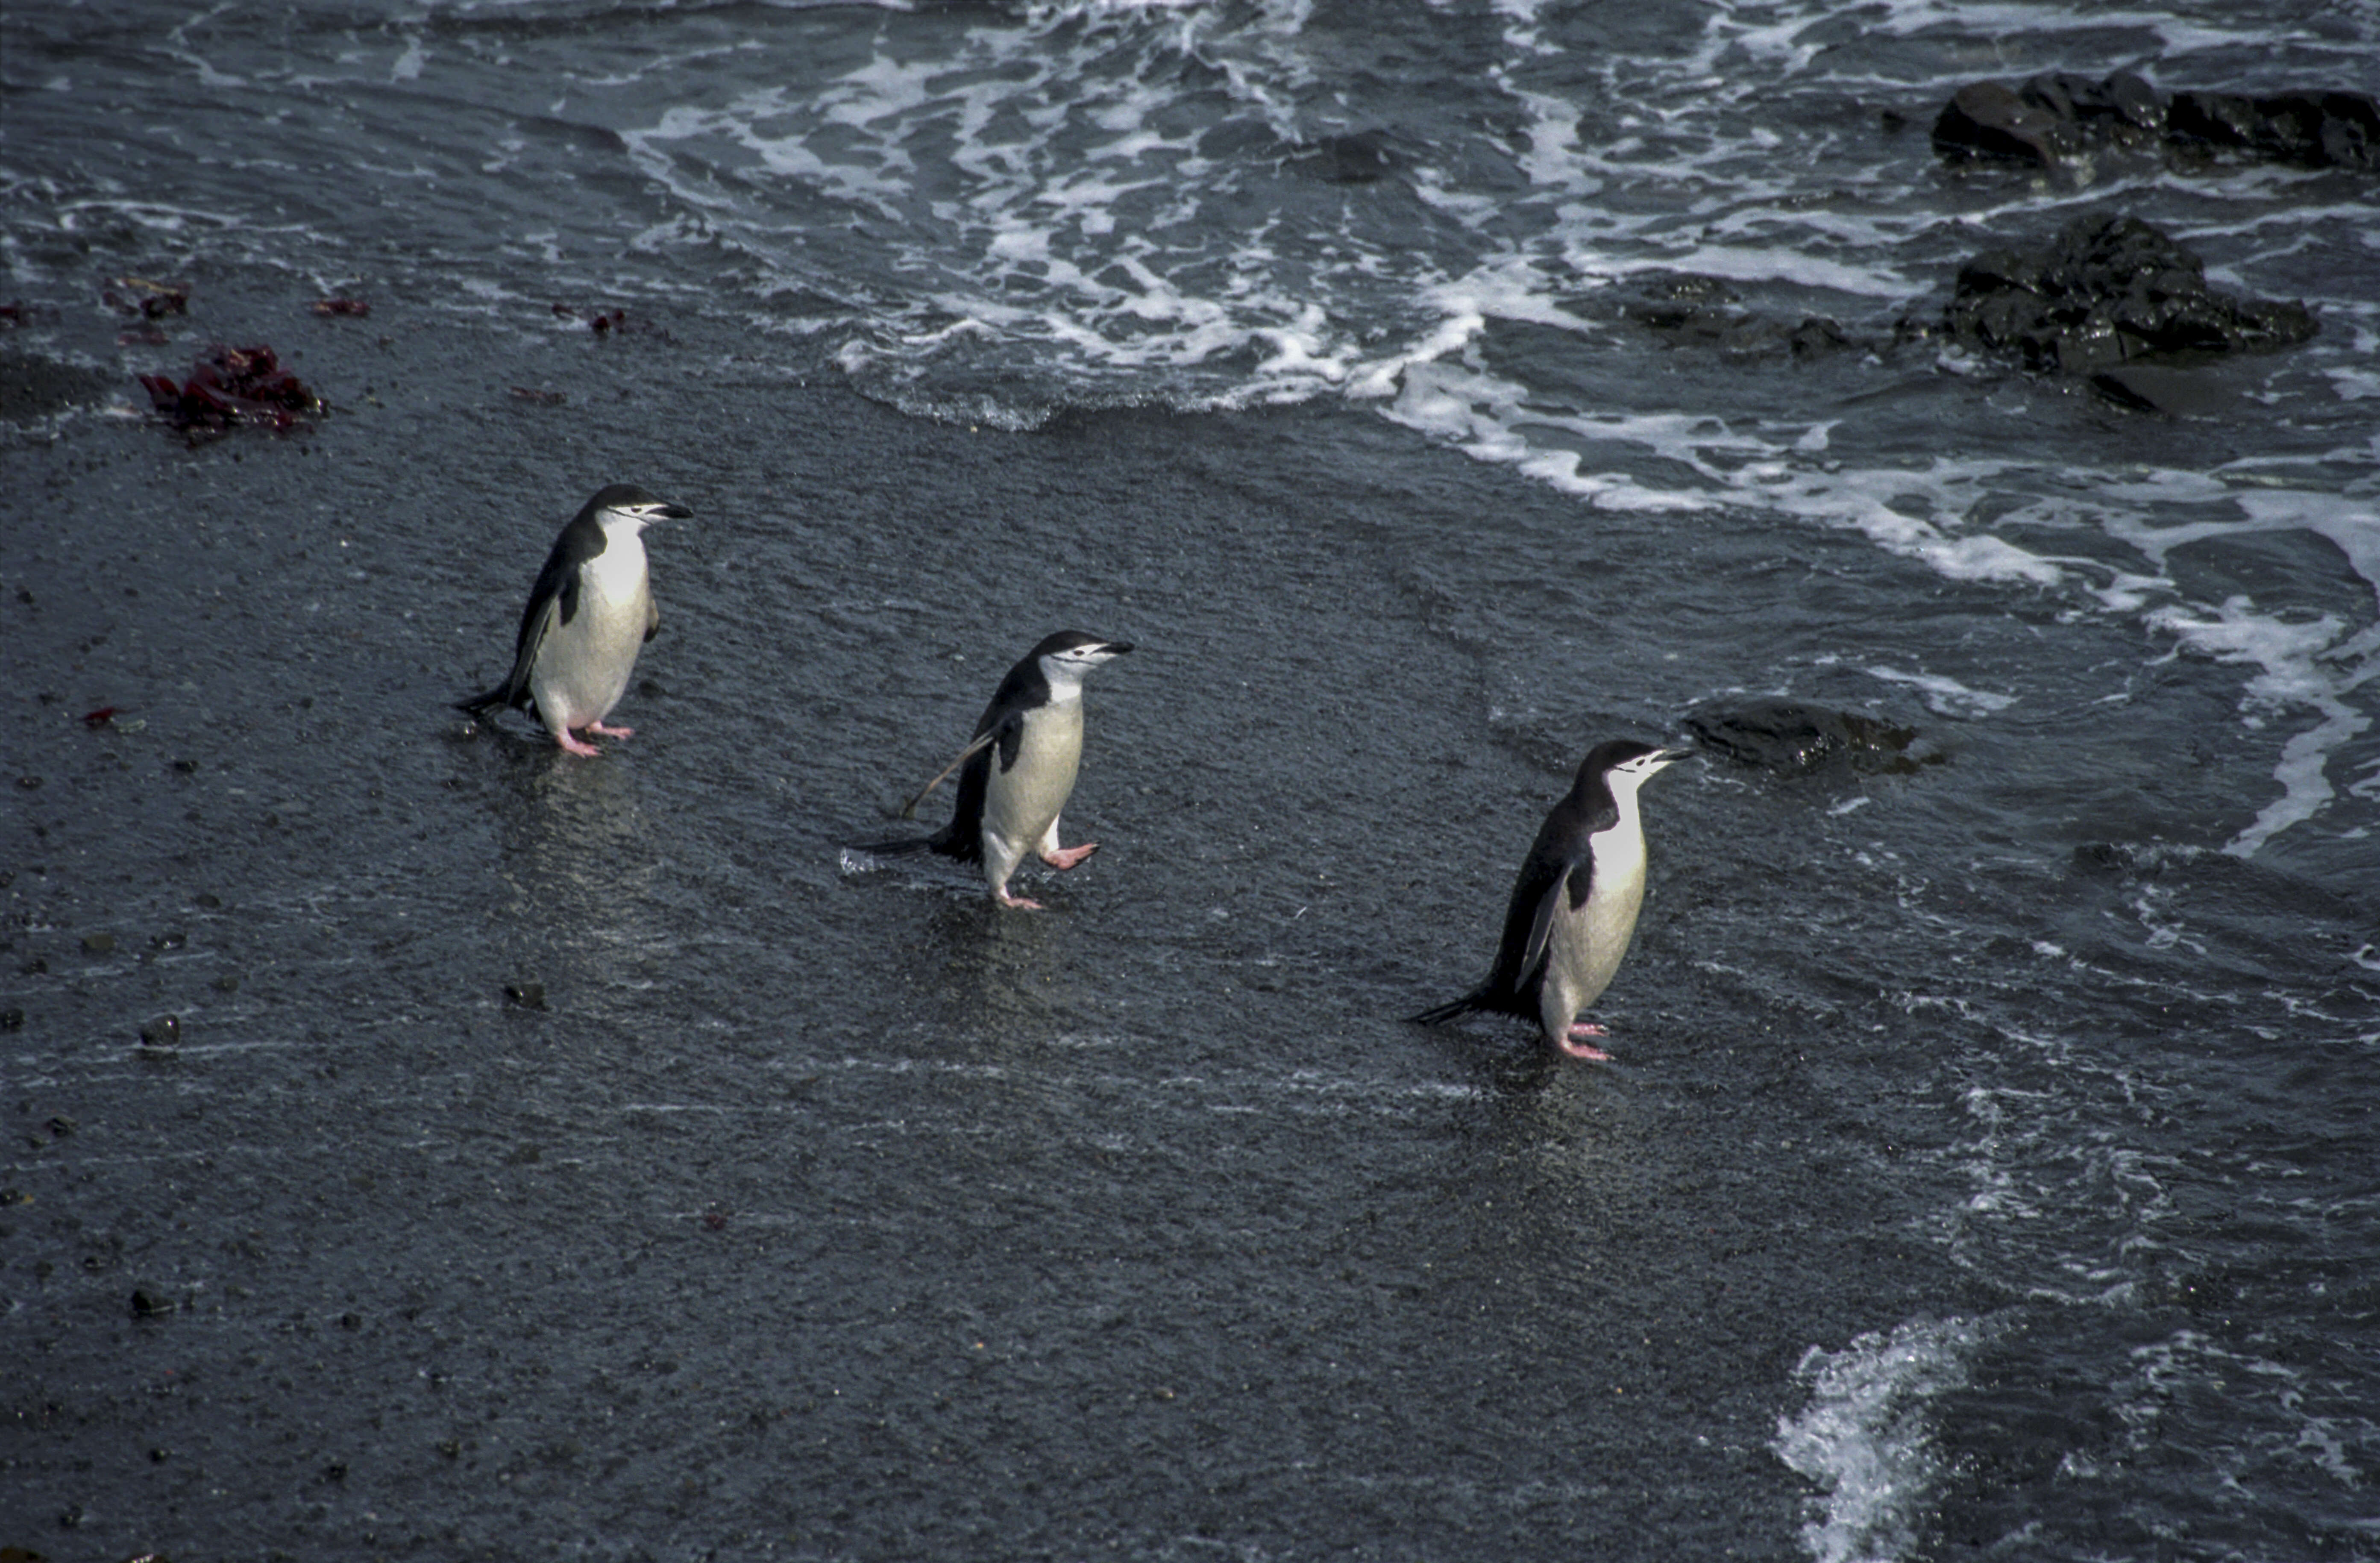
233	385
148	299
341	307
603	322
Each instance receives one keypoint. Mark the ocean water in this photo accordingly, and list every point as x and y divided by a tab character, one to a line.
1989	1167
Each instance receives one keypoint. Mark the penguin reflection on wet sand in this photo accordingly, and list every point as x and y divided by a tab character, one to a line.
588	615
1574	904
1016	774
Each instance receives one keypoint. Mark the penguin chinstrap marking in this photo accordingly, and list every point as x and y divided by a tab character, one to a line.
1018	769
589	614
1574	905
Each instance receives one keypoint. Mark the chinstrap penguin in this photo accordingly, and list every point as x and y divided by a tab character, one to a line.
1574	905
588	615
1019	770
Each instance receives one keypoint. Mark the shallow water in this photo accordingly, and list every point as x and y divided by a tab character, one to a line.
1985	1172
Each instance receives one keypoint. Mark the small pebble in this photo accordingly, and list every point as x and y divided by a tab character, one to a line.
529	995
99	944
165	1031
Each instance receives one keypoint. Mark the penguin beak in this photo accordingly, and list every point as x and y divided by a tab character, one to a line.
673	513
1115	647
1670	756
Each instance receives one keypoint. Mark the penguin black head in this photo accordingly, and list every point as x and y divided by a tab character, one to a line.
1625	764
1070	653
628	502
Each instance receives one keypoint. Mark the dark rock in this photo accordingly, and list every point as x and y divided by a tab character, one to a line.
165	1031
2051	118
61	1125
1987	119
1358	158
12	1020
150	1303
2316	130
2121	105
1703	310
2102	857
99	944
227	982
1817	334
525	996
2107	290
1790	738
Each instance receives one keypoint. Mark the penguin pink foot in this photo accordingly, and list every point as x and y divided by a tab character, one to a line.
1587	1050
1018	902
1067	857
576	745
611	732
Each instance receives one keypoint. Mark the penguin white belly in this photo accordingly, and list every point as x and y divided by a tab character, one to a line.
583	666
1021	804
1585	945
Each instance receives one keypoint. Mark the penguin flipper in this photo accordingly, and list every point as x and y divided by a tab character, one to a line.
982	741
1541	919
543	614
552	600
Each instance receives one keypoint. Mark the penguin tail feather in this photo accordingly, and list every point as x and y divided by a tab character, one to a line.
901	848
1439	1014
495	701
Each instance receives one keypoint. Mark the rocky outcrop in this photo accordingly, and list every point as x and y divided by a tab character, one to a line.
1692	309
2316	130
2107	291
1790	738
2051	118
